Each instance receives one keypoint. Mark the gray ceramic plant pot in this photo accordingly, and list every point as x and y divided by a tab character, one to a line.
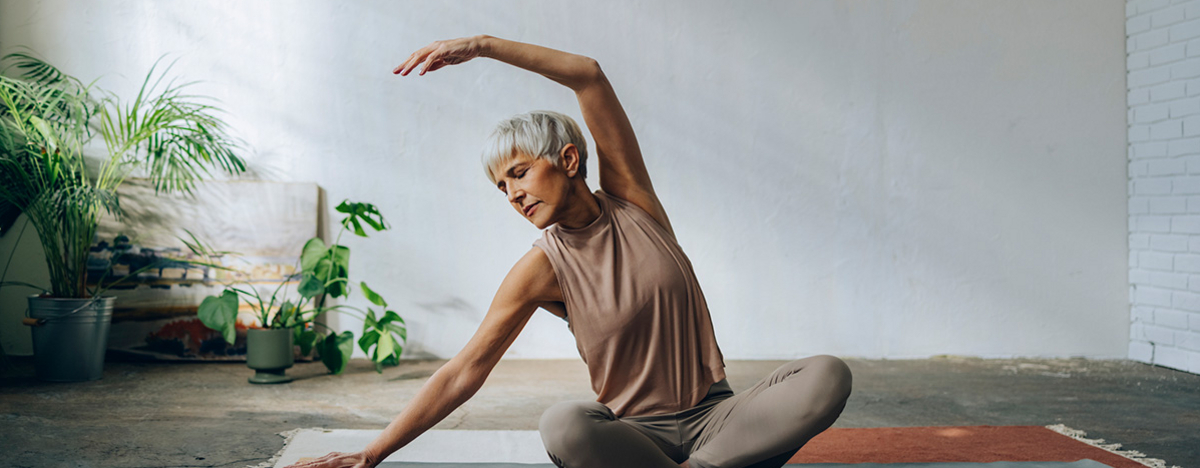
69	337
269	352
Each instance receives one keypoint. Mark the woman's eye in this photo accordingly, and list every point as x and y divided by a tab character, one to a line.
522	174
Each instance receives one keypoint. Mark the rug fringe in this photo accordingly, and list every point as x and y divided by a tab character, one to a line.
287	439
1112	447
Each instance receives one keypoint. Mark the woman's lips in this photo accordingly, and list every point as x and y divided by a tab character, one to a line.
529	209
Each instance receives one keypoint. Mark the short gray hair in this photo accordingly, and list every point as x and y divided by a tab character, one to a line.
541	134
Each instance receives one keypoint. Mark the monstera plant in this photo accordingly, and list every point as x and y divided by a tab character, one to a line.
323	274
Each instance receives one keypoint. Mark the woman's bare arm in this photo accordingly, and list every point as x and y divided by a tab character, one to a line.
622	170
530	282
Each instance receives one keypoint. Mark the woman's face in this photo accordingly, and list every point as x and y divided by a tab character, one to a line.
535	187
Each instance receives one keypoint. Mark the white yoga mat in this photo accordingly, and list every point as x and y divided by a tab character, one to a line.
434	446
521	449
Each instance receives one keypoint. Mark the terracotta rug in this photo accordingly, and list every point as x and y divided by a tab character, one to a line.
975	444
888	447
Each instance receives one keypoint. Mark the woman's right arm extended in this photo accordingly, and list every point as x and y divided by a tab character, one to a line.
530	283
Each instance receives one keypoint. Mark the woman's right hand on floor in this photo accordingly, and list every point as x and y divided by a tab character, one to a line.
337	460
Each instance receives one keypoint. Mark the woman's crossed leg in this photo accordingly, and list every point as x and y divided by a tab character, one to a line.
761	427
586	434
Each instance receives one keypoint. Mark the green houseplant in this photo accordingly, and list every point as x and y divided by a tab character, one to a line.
323	273
47	118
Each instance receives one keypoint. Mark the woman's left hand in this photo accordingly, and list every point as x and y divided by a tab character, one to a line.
442	53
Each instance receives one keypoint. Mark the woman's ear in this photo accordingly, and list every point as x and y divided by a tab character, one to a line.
570	159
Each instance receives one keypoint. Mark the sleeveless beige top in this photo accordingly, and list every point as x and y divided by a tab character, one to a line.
636	310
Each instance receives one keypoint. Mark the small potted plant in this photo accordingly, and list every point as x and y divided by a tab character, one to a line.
284	323
47	118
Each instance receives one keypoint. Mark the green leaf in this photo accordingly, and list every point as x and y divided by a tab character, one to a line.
382	334
44	129
390	317
337	288
308	340
336	350
287	314
220	314
368	340
360	213
323	269
333	277
310	286
341	256
313	251
391	360
385	347
333	270
393	323
371	295
358	230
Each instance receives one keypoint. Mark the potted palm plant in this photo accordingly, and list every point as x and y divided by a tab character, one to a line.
286	321
47	119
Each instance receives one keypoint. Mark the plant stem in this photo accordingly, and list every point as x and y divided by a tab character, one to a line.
332	249
14	250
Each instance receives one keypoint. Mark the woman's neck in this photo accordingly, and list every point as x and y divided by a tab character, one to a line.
582	210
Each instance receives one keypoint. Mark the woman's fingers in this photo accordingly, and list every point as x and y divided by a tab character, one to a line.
439	54
405	64
413	60
428	64
332	460
437	64
434	56
315	463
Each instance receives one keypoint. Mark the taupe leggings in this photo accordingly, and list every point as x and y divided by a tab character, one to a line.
760	427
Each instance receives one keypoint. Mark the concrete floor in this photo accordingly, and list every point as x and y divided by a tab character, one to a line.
206	415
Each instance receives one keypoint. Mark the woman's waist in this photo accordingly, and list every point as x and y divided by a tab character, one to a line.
717	392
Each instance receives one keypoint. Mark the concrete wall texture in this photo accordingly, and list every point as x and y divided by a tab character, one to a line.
1164	181
874	179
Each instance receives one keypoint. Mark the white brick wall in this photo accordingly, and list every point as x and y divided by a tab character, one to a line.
1163	47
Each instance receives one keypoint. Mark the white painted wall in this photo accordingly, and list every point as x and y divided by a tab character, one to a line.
877	179
1164	187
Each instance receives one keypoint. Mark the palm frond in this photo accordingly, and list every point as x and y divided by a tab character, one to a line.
173	138
46	119
36	69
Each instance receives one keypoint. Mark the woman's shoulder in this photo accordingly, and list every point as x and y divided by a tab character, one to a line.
535	276
645	206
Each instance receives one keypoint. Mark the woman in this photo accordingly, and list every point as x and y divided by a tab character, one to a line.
609	265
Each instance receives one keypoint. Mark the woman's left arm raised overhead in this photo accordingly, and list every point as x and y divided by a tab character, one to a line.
623	173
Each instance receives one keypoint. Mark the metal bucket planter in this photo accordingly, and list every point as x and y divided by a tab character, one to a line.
69	337
269	351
